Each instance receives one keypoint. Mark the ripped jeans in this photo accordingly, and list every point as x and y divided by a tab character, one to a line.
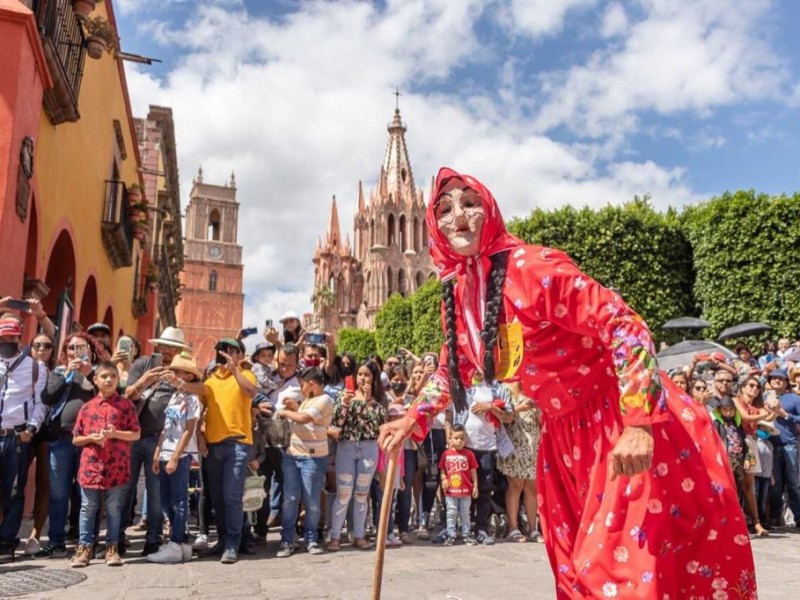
355	467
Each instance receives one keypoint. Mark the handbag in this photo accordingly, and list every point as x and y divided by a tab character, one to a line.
254	494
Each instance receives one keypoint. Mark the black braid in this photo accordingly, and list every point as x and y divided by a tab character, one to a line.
494	304
457	392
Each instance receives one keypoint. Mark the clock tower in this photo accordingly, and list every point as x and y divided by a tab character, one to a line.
212	300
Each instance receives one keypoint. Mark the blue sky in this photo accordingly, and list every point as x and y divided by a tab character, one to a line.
549	102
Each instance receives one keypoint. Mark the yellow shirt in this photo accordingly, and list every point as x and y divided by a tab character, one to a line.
228	408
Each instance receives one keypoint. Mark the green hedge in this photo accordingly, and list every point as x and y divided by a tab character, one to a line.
358	342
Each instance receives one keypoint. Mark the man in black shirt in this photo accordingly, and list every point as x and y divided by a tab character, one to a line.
150	393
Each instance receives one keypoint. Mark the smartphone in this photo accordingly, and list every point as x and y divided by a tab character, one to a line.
125	344
156	360
268	323
219	359
18	304
249	331
315	338
350	384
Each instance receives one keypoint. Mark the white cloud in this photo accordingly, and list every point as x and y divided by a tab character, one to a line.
683	55
298	108
615	21
538	18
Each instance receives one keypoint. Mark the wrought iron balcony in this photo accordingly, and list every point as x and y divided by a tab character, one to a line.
65	51
117	227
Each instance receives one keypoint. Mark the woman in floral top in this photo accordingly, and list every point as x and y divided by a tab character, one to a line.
359	416
636	496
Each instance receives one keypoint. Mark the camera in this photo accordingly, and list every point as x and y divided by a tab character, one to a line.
268	323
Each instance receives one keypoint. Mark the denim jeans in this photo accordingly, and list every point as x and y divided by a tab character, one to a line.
227	470
355	466
14	461
64	461
142	452
90	505
175	497
458	508
785	474
303	478
272	468
762	497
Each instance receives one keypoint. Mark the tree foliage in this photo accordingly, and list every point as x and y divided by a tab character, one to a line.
641	252
426	316
358	342
744	251
393	327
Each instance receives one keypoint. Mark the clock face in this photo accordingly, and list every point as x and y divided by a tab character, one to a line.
214	251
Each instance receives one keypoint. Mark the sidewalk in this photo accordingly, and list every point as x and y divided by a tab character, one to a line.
420	572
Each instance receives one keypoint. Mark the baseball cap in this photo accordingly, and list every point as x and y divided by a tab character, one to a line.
10	327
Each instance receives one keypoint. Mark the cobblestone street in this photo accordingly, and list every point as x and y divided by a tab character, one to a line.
422	571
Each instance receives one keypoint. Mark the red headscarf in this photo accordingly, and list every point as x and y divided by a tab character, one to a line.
494	237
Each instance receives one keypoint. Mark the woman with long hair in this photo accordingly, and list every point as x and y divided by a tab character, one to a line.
359	416
624	453
69	386
750	404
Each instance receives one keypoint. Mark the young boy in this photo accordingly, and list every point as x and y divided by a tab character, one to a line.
173	459
106	426
459	472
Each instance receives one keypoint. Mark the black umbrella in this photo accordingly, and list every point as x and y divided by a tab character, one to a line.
743	330
686	323
682	353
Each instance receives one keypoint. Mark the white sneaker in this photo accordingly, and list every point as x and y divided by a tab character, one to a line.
200	542
186	550
169	553
31	547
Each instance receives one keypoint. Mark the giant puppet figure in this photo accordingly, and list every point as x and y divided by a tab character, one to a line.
636	496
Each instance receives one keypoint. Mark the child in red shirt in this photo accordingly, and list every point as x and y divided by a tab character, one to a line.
459	472
105	427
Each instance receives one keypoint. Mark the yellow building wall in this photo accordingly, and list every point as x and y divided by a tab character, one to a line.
74	160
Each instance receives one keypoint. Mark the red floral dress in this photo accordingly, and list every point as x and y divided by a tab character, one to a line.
675	532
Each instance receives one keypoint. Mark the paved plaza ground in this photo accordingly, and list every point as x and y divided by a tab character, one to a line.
425	572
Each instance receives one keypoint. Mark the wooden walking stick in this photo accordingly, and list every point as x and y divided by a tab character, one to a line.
383	523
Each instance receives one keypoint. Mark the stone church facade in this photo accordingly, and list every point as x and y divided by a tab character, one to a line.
212	301
389	253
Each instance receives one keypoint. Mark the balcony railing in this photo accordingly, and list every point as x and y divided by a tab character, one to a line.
117	228
65	51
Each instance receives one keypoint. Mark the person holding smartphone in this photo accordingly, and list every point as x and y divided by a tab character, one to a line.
150	387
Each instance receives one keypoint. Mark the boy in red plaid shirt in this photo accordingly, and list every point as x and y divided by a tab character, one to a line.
105	427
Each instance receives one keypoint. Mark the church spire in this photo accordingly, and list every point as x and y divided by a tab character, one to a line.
396	169
362	208
334	235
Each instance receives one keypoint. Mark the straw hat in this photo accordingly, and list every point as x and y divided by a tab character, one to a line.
185	362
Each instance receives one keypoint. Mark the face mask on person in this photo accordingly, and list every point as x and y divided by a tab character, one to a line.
398	387
346	371
9	349
312	362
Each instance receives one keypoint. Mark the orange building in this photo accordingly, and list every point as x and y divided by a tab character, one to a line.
213	301
68	160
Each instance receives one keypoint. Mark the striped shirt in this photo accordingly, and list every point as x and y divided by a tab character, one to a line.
311	439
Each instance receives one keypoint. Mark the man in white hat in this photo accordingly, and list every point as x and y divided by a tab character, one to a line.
150	389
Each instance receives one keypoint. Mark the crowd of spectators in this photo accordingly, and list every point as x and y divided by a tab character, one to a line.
297	424
94	419
754	405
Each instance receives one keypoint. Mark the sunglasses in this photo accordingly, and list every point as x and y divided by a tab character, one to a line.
42	346
699	388
76	347
723	381
752	384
